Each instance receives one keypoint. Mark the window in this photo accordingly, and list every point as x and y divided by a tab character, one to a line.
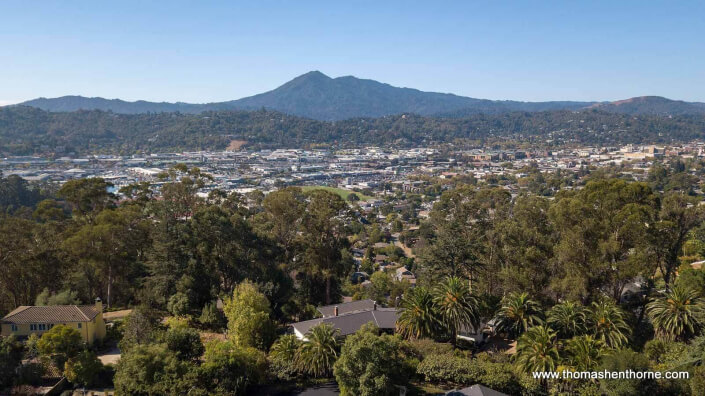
14	327
79	325
42	327
32	327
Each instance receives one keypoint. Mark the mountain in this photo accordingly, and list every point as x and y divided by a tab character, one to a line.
320	97
317	96
653	105
74	103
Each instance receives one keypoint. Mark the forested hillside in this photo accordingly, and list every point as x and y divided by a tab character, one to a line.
596	278
25	130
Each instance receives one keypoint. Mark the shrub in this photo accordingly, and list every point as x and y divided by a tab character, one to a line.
179	304
425	347
83	369
211	317
185	342
622	360
61	343
448	368
370	364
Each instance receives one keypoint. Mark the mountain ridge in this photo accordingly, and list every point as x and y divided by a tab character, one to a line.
317	96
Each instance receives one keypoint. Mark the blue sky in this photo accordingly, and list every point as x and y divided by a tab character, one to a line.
212	51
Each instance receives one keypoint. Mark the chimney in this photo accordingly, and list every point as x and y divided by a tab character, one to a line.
335	311
374	305
99	304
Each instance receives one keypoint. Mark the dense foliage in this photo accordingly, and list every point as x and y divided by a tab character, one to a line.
25	130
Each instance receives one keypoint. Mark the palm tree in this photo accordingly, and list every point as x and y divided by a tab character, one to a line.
584	352
567	318
318	352
676	315
284	349
606	320
517	314
417	318
456	306
537	350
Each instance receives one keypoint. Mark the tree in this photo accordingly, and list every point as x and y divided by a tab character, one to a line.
462	220
10	358
87	196
229	369
283	212
457	308
517	314
584	352
537	350
318	352
248	314
323	237
211	317
567	318
381	283
622	360
179	304
185	342
604	241
677	315
153	370
678	216
690	278
61	343
606	321
418	318
83	369
30	260
108	248
282	356
370	364
525	244
139	328
66	297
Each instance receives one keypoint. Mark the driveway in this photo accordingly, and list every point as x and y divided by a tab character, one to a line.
111	356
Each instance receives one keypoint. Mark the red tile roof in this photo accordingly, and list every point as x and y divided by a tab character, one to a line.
51	314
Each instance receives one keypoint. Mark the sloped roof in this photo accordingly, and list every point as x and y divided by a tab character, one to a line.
384	318
345	308
51	314
476	390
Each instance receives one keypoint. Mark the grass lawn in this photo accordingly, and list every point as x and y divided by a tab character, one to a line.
340	191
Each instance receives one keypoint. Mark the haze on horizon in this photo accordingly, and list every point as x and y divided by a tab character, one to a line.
212	52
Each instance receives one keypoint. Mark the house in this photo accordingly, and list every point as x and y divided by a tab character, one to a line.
26	320
404	273
348	318
359	277
475	390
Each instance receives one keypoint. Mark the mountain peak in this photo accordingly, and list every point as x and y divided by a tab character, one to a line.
318	96
312	75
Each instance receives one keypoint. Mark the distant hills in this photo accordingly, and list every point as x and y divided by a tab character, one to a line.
317	96
27	130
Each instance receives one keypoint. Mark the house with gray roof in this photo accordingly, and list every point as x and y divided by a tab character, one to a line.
348	318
